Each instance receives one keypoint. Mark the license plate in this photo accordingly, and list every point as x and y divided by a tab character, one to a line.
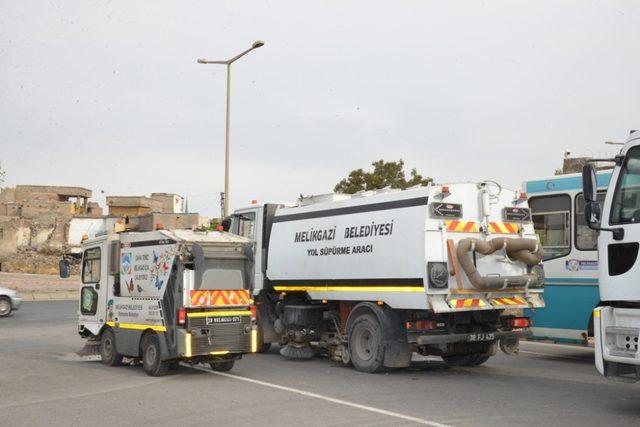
222	319
482	336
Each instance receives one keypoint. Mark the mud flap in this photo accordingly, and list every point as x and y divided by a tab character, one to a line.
398	352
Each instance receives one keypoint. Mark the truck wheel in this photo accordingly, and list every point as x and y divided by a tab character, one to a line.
478	359
5	306
466	359
110	356
459	359
365	344
264	347
222	366
151	357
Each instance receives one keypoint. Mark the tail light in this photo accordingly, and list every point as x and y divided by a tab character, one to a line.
182	316
254	312
523	196
519	322
422	325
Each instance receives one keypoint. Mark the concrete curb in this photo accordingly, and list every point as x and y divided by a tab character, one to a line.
49	296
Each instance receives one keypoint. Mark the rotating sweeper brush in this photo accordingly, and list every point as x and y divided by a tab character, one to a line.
297	351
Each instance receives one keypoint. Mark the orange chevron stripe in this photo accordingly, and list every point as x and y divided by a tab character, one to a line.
220	298
461	226
503	227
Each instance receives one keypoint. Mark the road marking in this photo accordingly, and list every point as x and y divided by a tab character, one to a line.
553	345
557	356
328	399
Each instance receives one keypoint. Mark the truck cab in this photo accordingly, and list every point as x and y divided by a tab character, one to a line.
617	320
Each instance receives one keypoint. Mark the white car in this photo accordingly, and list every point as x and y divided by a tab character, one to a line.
9	301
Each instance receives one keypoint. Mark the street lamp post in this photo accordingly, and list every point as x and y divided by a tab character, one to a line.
228	62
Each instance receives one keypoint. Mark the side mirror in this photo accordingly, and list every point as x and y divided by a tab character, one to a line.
64	268
589	183
592	213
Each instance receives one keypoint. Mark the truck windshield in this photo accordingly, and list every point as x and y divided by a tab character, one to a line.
222	274
626	200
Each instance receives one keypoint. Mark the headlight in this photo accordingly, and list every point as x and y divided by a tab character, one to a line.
438	275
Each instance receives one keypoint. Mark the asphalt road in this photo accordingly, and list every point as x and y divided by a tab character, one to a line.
42	383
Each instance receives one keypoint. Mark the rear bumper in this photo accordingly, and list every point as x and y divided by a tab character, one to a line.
473	337
219	333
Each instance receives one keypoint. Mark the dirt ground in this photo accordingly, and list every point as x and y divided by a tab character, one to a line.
34	262
41	286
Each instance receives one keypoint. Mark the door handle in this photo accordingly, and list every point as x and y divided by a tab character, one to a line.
97	286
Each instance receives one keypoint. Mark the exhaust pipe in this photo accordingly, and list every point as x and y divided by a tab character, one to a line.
528	251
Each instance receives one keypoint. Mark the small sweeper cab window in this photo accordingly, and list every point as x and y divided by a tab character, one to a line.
91	266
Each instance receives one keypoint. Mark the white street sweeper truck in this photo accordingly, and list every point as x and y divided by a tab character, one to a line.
161	297
371	278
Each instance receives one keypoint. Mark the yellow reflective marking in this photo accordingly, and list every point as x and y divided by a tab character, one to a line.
502	291
596	314
350	288
187	345
219	353
137	326
220	313
254	340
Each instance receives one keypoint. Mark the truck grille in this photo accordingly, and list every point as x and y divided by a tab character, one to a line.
229	337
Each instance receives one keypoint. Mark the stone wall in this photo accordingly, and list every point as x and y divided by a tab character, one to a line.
34	222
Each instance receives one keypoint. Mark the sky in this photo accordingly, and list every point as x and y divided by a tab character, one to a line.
108	95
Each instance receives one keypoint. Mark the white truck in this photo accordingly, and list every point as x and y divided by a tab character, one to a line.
167	296
617	320
372	277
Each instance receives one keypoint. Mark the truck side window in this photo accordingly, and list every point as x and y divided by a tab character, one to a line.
91	266
552	223
247	225
625	208
586	238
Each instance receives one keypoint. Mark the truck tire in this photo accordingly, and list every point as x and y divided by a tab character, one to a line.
108	353
466	359
5	306
366	346
222	366
459	359
151	357
479	359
